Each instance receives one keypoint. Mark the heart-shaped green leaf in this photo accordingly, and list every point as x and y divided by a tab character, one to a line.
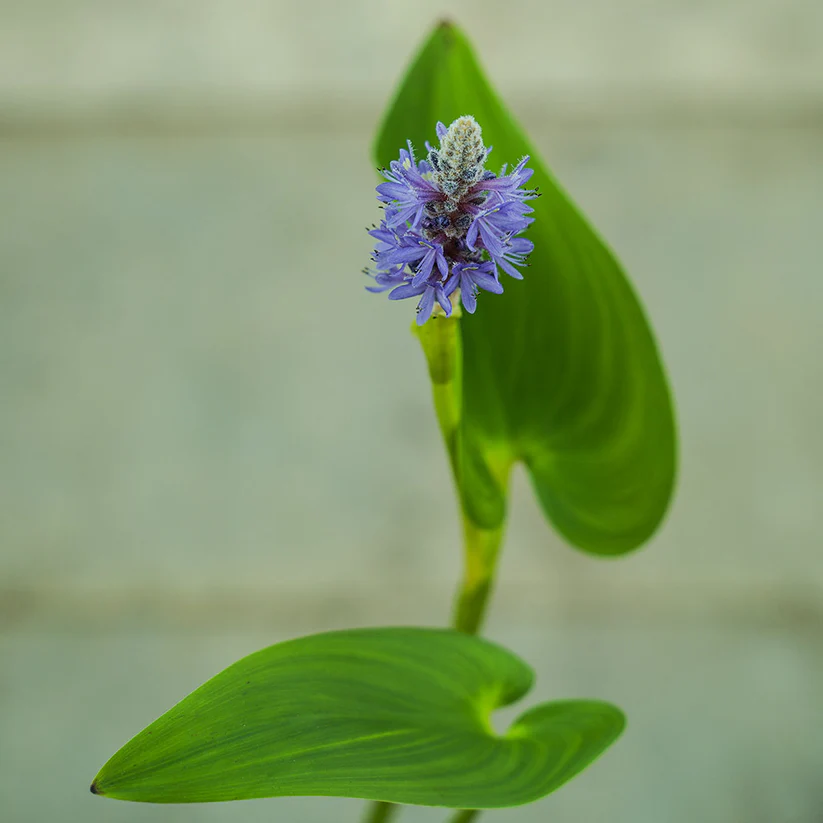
400	715
561	371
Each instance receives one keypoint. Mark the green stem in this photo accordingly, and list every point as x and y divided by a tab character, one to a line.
380	812
481	548
464	816
442	345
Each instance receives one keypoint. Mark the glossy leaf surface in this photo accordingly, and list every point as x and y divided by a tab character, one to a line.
561	371
386	714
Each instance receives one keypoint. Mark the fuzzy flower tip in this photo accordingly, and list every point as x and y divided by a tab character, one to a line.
449	225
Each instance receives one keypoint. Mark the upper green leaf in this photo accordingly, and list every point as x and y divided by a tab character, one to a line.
561	371
400	715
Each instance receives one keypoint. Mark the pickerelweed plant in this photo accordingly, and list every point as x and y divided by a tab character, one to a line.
560	373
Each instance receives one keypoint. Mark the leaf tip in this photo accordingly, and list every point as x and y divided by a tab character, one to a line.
94	788
447	30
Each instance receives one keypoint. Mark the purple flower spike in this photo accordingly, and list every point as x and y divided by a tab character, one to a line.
450	224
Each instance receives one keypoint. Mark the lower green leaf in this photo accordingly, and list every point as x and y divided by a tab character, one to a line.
401	715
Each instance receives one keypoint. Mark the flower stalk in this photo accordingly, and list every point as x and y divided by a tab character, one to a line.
442	345
381	812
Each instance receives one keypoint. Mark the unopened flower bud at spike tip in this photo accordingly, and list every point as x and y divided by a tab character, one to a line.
450	225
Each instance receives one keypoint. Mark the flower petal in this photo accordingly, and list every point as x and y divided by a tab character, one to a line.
425	306
444	301
471	235
425	268
491	240
508	268
406	290
468	295
442	265
487	282
405	254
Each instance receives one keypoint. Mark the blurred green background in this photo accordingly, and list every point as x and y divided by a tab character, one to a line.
212	439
